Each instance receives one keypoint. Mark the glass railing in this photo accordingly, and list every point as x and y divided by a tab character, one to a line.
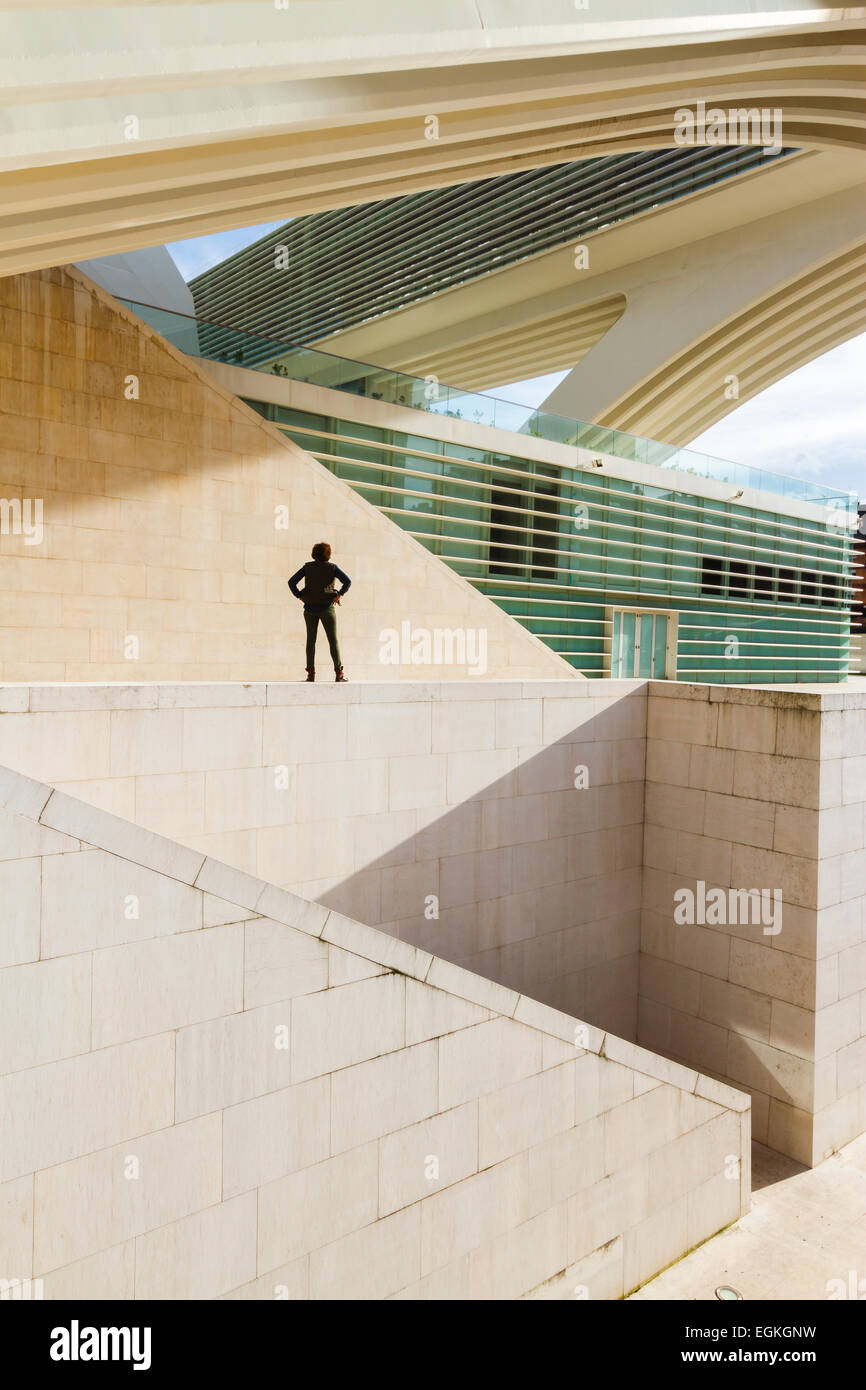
200	338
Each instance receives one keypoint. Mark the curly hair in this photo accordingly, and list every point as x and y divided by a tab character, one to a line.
321	551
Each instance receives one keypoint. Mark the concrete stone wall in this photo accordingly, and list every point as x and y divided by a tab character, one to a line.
761	789
220	1090
840	1003
447	815
163	555
455	818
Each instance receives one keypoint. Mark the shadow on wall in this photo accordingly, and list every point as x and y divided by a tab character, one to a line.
534	879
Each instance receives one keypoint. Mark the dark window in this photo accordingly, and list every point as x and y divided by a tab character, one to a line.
787	586
504	557
712	574
546	527
830	591
760	582
764	582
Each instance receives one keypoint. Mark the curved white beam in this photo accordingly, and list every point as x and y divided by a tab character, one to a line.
725	281
128	126
708	326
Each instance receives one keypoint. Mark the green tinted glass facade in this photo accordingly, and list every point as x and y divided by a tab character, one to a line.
328	271
575	555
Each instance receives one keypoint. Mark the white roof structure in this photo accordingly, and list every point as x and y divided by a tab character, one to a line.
132	125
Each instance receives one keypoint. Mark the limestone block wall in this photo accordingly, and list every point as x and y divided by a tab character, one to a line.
840	1004
172	515
220	1090
761	789
445	814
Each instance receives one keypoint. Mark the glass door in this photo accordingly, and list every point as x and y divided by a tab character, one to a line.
640	641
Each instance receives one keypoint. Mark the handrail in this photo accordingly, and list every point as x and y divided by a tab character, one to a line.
198	337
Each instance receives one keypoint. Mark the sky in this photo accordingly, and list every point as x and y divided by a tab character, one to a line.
199	254
811	424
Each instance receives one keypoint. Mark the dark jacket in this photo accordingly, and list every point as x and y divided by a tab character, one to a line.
318	592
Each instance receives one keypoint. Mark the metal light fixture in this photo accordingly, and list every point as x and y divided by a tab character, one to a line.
728	1294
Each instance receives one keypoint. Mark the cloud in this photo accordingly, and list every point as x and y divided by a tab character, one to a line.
812	424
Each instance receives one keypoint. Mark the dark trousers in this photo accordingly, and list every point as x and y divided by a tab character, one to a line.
328	619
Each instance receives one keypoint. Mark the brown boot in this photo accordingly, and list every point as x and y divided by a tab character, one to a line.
311	673
338	674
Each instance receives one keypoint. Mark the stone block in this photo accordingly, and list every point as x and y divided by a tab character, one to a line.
44	1012
20	925
94	1202
147	987
378	1261
275	1134
199	1256
519	1116
280	963
79	1104
16	1228
383	1095
472	1212
93	899
229	1060
514	1263
485	1058
309	1209
430	1012
422	1158
341	1027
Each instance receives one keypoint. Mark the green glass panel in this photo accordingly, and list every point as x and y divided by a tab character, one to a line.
644	659
627	645
559	578
660	650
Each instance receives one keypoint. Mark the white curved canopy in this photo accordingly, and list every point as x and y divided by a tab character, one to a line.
130	125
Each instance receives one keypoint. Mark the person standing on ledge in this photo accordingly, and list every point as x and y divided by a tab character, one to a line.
320	600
